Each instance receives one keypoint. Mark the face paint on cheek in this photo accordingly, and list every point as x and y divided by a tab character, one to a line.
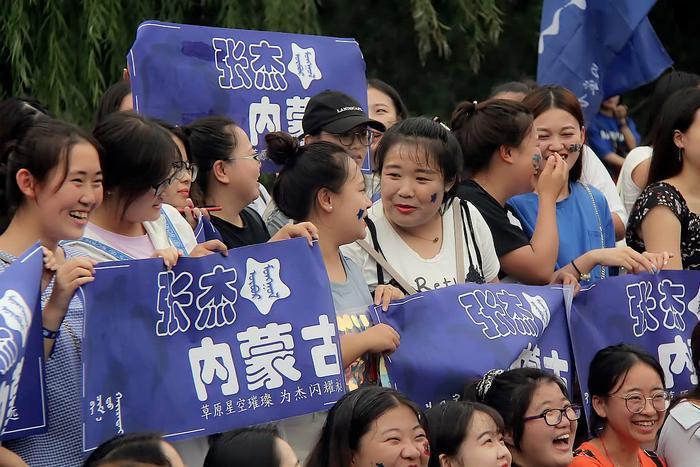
575	147
433	197
360	214
379	464
536	160
426	448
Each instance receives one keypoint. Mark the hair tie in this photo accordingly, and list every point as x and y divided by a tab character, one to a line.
475	104
437	119
483	386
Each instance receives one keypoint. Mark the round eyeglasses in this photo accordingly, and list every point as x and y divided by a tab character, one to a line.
636	402
552	417
183	167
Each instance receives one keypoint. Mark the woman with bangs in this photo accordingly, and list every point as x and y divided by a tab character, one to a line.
466	434
584	220
421	236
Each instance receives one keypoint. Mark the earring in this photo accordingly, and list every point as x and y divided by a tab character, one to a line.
680	154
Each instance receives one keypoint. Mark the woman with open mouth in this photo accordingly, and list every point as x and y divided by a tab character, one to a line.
540	420
51	182
629	402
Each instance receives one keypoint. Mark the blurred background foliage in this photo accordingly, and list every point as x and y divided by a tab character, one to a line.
435	52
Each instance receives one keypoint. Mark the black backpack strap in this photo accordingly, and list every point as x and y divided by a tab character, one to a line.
473	274
654	458
375	243
379	258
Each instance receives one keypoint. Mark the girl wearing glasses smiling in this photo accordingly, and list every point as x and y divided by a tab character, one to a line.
629	403
133	222
230	169
540	421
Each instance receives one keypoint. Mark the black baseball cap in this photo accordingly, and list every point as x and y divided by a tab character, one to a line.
335	112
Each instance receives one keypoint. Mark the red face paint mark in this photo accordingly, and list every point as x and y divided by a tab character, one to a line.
426	448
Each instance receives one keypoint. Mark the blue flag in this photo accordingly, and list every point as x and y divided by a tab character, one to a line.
22	398
262	80
214	344
654	312
598	48
451	335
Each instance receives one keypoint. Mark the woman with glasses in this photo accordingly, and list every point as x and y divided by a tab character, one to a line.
540	420
629	402
134	222
230	168
466	434
679	441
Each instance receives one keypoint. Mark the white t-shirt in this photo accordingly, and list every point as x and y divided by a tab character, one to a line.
595	174
626	188
426	274
679	441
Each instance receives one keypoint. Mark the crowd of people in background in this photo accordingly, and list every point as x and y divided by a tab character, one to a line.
517	188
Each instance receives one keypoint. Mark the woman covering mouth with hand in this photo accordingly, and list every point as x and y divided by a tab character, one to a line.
629	403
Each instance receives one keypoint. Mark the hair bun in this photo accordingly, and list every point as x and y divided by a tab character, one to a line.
463	111
282	148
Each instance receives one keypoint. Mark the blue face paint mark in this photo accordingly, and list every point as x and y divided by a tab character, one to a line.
360	214
536	160
433	197
575	147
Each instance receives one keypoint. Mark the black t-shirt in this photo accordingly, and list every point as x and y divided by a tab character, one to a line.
252	232
506	236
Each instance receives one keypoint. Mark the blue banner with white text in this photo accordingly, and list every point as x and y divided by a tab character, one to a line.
214	344
451	335
656	312
261	79
22	396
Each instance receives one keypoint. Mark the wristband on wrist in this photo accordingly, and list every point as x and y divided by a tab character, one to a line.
49	334
581	276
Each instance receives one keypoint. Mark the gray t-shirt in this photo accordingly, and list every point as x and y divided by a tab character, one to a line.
351	300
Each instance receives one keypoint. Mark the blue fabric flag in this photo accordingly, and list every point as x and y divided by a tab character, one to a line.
262	80
214	344
598	48
205	231
22	398
656	312
451	335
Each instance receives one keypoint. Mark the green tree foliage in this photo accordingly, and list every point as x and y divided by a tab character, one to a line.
66	52
435	52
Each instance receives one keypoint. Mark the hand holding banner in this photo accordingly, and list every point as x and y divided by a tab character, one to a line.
452	335
214	344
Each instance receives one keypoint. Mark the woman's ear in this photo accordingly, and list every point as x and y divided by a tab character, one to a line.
26	183
679	139
324	200
504	154
219	170
599	405
444	460
583	135
450	183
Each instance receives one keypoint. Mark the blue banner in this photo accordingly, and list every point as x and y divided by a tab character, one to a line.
214	344
654	312
451	335
205	231
598	48
22	398
262	80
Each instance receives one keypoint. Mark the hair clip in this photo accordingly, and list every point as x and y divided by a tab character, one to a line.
437	119
485	384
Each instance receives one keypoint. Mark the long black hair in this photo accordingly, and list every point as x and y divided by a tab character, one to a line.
677	114
673	81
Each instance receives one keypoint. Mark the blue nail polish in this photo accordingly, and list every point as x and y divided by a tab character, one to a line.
360	214
433	197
